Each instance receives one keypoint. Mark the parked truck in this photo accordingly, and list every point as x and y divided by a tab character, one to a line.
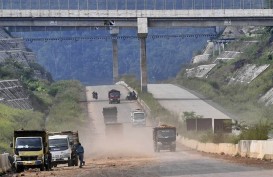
63	147
110	114
164	137
31	150
114	96
114	130
138	118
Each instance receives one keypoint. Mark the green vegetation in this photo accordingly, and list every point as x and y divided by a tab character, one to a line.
160	114
239	99
11	119
62	111
56	105
66	106
257	131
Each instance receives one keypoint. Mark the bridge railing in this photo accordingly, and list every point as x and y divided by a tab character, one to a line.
134	4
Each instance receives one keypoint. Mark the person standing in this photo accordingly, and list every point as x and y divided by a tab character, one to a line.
80	153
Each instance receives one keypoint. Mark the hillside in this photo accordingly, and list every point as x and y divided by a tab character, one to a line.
30	99
90	61
238	76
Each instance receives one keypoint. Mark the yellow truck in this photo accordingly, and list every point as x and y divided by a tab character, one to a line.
31	150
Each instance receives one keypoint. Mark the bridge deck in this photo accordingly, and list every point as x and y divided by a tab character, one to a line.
203	13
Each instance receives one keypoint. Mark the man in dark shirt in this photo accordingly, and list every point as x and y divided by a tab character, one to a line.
80	152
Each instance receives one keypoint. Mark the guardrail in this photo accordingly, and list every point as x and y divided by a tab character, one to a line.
258	149
133	4
4	163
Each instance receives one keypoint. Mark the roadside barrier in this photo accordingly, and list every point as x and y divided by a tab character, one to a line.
256	149
4	163
259	149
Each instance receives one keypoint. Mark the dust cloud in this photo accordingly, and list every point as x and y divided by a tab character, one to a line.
101	141
131	142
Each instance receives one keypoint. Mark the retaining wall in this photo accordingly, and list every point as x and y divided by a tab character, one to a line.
260	149
4	163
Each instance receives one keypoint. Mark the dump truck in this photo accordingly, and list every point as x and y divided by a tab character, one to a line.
138	118
64	154
114	96
31	150
164	137
110	114
114	130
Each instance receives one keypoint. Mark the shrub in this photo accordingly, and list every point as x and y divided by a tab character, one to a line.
257	131
66	106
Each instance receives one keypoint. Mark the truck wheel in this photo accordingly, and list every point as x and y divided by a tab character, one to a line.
173	148
19	169
156	149
70	162
42	167
76	161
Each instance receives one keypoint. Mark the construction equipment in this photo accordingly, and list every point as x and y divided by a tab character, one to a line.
31	150
164	137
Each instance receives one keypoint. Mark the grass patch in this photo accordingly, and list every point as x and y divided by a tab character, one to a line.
256	131
67	113
14	119
241	100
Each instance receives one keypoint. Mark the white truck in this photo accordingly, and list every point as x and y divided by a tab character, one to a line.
60	148
138	118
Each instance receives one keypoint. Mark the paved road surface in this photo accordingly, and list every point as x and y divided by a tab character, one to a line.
138	141
131	155
179	100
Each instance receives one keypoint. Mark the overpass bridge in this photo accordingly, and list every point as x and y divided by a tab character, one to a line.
138	14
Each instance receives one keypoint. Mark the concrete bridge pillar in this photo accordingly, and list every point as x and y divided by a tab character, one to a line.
114	33
142	24
219	47
213	49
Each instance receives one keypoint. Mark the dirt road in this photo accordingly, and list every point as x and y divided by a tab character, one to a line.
131	155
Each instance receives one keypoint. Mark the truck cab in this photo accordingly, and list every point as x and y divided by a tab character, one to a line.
73	137
138	118
164	137
31	150
114	96
60	148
